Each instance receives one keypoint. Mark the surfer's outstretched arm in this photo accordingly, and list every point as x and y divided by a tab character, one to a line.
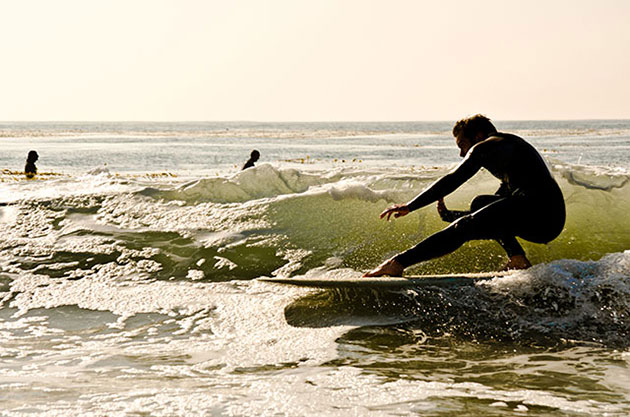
438	190
448	183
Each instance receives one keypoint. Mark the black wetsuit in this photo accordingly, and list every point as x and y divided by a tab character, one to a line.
30	169
248	164
529	203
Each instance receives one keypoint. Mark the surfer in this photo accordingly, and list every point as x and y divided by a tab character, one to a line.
528	204
253	157
30	169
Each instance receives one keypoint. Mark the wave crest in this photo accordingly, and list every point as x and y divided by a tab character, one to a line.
263	181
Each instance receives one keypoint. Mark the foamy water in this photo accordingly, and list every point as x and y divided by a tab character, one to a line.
128	275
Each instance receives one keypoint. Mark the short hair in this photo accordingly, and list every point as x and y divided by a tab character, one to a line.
32	156
472	125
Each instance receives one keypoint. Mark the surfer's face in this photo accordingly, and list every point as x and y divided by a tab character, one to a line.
464	144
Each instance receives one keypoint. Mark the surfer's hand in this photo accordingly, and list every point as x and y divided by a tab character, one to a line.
398	210
445	214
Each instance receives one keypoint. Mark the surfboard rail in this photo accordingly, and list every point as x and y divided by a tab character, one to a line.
439	280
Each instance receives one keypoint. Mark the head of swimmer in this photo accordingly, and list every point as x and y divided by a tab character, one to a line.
254	156
472	130
32	157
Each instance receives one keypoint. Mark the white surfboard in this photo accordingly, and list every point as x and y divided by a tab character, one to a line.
442	280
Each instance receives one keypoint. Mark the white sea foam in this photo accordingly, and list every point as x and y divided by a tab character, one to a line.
328	391
260	182
245	319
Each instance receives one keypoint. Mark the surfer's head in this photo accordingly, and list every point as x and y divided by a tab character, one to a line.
472	130
32	157
254	155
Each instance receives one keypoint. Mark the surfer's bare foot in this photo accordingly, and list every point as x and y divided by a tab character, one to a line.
517	262
390	267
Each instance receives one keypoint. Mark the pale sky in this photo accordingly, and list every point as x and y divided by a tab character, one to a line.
316	60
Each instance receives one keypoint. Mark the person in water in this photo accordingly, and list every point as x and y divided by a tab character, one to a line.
253	157
30	169
528	204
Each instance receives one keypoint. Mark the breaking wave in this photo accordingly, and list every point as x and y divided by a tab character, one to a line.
269	221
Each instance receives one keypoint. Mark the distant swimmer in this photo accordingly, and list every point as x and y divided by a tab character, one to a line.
528	204
30	169
253	157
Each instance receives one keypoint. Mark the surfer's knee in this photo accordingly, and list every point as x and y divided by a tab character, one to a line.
478	202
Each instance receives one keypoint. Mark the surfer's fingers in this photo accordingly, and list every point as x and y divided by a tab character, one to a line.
388	212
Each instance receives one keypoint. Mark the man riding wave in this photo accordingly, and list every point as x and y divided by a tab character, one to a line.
528	204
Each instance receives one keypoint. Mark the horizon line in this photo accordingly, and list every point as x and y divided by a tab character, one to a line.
307	121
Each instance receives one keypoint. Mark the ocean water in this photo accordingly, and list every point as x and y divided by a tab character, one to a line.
128	275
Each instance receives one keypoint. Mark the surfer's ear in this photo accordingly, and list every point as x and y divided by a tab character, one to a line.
480	136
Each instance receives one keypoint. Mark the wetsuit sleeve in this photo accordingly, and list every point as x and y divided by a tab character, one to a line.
448	183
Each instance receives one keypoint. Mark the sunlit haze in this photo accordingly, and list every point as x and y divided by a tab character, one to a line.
322	60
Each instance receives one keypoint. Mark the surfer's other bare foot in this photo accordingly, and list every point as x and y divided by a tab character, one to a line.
517	262
390	267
